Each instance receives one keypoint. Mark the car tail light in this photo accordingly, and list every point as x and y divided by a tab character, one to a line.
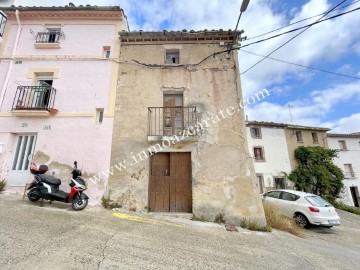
314	209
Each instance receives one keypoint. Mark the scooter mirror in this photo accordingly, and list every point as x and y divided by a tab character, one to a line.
75	164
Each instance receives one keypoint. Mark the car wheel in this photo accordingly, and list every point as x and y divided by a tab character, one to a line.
301	220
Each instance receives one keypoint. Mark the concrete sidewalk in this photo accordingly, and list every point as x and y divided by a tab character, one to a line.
55	237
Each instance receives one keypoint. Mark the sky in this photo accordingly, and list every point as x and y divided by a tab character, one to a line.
299	95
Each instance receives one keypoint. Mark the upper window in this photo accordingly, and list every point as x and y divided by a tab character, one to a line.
172	57
106	52
259	154
349	172
315	137
255	132
342	145
299	136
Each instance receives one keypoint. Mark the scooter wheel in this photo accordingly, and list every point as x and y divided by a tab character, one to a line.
33	195
78	203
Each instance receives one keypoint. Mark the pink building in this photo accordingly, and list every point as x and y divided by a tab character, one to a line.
58	80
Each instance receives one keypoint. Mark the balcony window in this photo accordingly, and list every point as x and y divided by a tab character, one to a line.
49	38
39	99
172	120
349	172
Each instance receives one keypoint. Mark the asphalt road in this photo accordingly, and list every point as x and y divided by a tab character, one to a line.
55	237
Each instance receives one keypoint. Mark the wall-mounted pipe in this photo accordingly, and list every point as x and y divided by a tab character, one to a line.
6	82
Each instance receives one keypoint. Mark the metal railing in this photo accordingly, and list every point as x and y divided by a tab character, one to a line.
349	175
34	98
168	121
48	37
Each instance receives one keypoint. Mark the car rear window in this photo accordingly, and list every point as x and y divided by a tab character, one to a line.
317	201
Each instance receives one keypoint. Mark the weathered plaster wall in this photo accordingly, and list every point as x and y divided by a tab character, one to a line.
222	172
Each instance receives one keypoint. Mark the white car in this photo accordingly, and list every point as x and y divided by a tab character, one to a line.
305	208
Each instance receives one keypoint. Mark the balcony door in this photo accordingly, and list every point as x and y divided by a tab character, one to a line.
42	93
23	148
173	114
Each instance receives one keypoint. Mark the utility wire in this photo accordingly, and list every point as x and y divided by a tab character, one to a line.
296	29
278	48
300	65
300	21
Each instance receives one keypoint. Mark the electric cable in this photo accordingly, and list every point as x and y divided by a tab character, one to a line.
292	38
296	29
285	26
304	66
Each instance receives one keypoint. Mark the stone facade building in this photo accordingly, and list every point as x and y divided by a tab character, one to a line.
179	139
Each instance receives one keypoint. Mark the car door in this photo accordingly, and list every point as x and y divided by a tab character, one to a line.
288	203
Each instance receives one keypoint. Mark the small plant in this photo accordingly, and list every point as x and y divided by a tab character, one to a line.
347	208
105	201
108	204
219	218
254	226
2	185
201	218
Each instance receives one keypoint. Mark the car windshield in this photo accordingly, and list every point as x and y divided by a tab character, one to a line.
317	201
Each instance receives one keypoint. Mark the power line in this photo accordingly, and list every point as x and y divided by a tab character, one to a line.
304	66
278	48
300	21
296	29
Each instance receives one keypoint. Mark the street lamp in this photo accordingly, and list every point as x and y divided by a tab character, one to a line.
3	19
243	7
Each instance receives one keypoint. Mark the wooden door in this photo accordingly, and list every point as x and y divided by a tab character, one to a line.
173	114
170	185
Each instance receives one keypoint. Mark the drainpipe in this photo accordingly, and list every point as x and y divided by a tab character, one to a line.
6	82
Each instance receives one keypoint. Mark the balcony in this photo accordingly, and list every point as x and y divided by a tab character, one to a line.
169	121
349	175
48	40
34	101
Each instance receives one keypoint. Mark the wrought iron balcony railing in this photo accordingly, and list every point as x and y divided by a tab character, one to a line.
48	37
349	175
34	98
168	121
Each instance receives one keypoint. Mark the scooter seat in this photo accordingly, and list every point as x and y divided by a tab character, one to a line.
48	179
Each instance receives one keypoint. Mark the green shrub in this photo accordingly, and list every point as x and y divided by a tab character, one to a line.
347	208
219	218
2	185
253	226
201	218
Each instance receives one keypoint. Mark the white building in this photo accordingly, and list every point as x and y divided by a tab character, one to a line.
349	161
268	148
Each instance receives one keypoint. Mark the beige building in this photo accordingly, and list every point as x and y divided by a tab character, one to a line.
304	136
179	140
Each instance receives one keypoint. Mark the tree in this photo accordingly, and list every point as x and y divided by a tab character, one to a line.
317	173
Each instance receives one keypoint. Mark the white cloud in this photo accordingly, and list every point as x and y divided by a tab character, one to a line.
309	111
348	124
